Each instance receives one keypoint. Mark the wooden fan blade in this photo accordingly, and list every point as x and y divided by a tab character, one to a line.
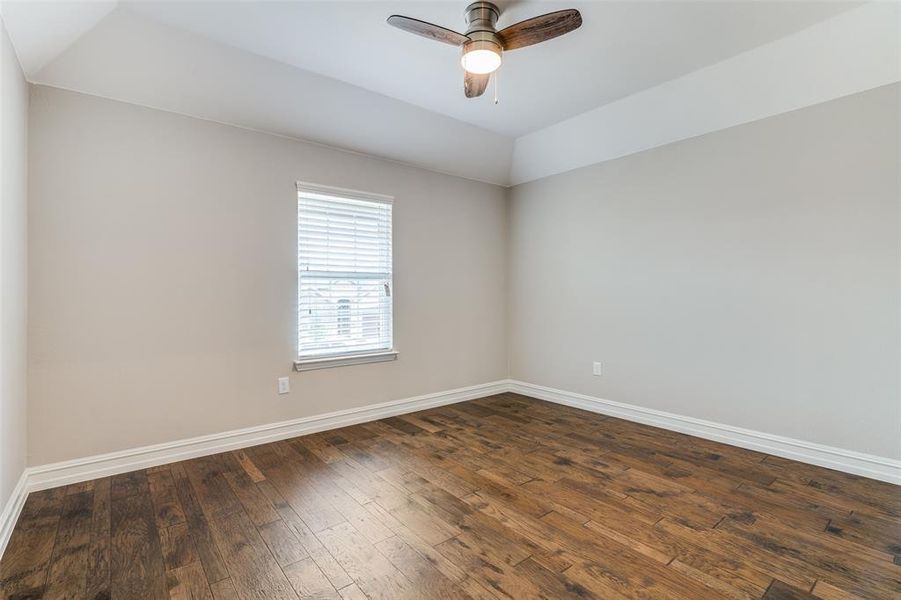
474	85
428	30
539	29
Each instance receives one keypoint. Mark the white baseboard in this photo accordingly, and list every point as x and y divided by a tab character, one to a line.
12	509
92	467
857	463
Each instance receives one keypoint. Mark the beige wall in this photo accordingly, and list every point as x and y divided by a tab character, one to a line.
163	278
748	277
13	267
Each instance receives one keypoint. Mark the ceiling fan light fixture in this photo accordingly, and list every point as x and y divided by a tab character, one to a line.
481	57
483	45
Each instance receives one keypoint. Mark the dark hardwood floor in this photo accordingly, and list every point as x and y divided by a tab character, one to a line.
501	497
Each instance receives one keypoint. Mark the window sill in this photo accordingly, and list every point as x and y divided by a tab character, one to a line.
310	364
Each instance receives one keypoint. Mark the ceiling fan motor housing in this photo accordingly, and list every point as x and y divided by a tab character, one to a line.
481	18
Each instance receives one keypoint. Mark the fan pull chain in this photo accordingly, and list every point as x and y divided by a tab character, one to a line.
496	75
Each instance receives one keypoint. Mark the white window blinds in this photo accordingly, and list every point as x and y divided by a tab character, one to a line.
343	272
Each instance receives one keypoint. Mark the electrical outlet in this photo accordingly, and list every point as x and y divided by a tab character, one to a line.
596	369
284	385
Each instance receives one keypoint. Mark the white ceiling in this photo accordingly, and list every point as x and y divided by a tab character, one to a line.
622	48
857	50
334	72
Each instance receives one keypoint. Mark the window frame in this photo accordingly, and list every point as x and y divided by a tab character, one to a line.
342	358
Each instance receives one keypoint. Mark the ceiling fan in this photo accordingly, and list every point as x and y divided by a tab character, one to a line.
483	45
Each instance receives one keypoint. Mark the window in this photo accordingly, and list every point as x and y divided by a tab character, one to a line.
344	268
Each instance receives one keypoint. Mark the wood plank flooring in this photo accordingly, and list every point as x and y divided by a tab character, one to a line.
503	497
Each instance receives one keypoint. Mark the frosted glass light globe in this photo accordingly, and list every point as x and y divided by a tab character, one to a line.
481	61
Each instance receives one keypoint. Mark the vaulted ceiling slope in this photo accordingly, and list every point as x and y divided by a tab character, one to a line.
852	52
130	58
622	48
335	73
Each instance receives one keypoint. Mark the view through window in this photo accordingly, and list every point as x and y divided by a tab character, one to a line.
344	270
